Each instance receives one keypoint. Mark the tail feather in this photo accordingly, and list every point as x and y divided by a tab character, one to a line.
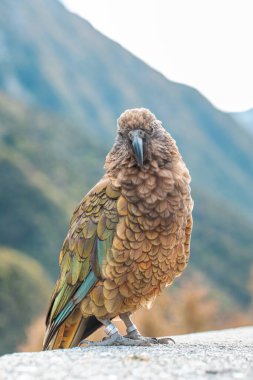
71	332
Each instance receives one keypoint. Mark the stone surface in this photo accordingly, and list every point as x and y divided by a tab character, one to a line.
226	354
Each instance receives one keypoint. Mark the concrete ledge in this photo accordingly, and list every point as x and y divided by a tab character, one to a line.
226	354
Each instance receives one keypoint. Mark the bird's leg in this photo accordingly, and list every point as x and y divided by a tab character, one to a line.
114	338
133	333
131	329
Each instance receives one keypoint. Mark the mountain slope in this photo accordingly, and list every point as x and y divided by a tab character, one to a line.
245	119
56	155
46	166
28	220
221	246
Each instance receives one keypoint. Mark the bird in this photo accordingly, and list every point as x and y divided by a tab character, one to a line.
129	238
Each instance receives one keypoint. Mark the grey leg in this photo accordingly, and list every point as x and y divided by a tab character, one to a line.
133	333
114	338
131	329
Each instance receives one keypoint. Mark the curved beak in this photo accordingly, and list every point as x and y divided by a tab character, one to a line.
137	143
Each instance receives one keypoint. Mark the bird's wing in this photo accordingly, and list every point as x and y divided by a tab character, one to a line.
84	250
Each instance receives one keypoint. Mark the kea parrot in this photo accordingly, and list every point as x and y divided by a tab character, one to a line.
128	238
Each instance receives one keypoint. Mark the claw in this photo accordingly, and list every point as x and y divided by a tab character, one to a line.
165	340
134	338
135	335
84	342
115	340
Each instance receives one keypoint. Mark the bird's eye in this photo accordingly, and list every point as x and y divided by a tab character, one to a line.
151	130
131	135
141	133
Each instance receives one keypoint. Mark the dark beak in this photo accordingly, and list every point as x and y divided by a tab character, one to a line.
137	143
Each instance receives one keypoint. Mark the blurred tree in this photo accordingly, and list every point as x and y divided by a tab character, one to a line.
24	293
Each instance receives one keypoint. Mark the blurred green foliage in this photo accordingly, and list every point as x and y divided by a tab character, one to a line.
221	247
25	289
28	220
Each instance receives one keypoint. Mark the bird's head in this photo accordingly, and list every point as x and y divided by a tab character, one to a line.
135	129
140	139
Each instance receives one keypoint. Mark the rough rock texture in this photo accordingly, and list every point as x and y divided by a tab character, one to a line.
222	355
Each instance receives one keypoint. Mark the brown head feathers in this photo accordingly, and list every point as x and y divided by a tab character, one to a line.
158	145
137	118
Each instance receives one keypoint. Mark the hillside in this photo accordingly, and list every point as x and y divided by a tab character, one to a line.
245	119
30	218
42	179
58	156
24	293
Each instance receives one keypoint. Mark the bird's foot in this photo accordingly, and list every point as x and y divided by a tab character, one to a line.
117	340
136	336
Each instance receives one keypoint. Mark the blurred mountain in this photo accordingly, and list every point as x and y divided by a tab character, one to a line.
245	119
46	166
63	84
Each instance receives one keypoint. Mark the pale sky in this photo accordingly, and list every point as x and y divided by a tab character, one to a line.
207	44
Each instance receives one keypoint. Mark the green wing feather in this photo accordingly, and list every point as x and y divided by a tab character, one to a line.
84	251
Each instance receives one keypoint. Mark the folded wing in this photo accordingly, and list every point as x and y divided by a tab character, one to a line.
83	254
